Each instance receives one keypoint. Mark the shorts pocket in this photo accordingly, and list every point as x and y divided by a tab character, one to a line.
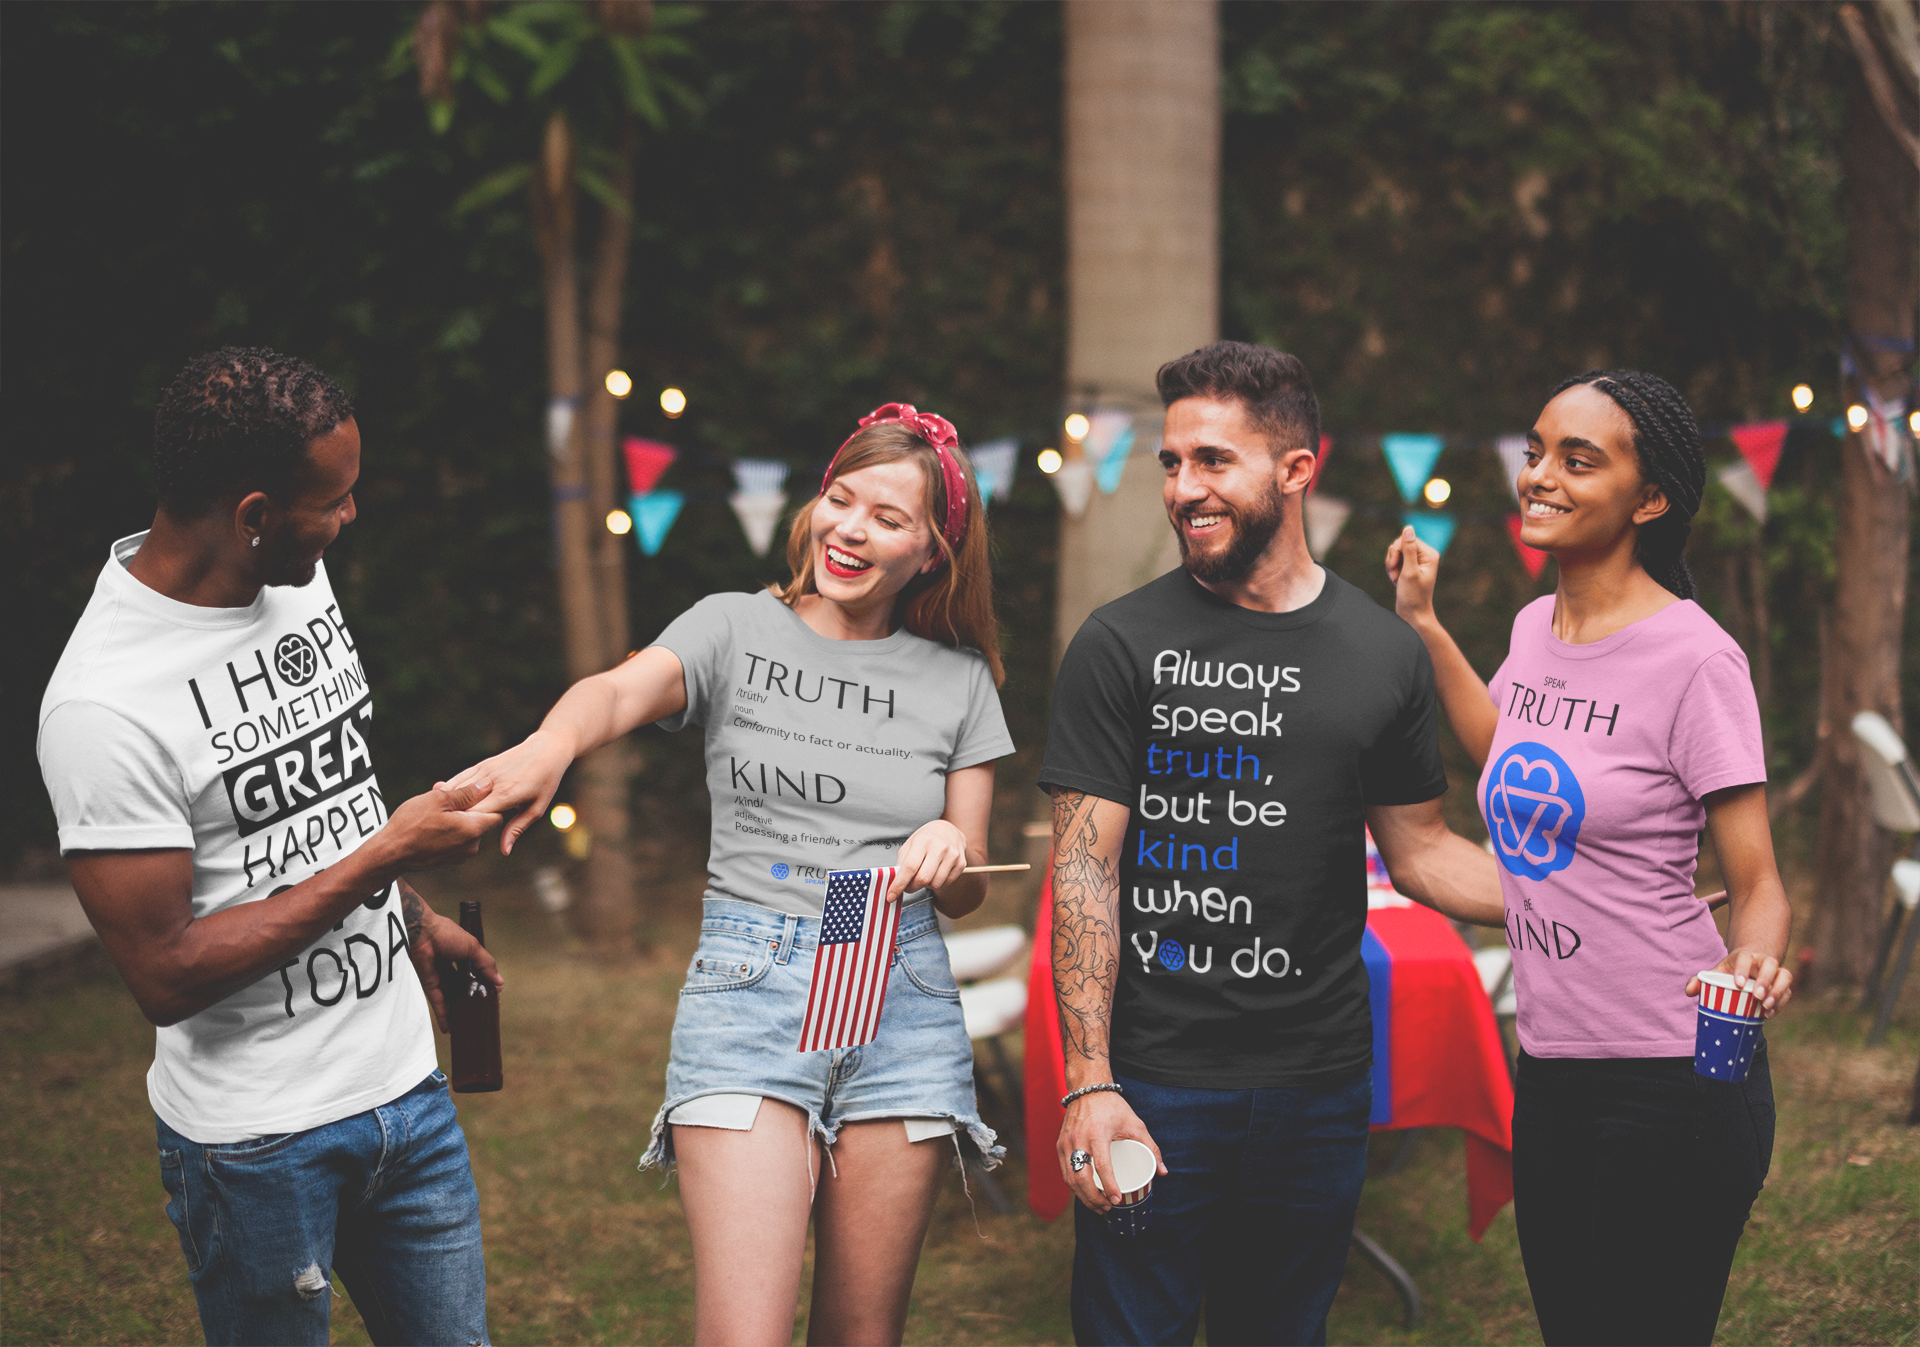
925	960
173	1177
729	961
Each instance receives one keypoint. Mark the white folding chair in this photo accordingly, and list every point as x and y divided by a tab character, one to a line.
1896	807
993	1007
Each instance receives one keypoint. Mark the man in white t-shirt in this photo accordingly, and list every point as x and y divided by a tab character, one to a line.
204	740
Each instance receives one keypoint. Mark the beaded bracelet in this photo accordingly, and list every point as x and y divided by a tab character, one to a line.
1090	1089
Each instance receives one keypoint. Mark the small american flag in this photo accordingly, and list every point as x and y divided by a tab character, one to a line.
850	968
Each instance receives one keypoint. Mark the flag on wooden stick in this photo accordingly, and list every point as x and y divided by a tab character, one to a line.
850	968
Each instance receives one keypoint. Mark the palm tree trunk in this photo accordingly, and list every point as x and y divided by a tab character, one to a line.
1143	257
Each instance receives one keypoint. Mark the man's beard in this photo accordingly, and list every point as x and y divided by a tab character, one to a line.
1253	528
282	565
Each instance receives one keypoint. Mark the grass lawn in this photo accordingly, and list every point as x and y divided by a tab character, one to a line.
582	1248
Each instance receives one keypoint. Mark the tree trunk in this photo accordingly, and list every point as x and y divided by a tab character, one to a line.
606	911
1143	259
610	912
1869	606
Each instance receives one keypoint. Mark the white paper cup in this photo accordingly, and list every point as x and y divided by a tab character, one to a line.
1133	1169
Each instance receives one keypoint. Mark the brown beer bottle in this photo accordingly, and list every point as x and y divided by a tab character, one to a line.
473	1014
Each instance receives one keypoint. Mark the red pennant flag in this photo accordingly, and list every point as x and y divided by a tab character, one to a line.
1760	444
1531	557
646	460
1320	463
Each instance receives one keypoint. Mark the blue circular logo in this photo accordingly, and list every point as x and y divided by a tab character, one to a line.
1534	807
1172	957
781	870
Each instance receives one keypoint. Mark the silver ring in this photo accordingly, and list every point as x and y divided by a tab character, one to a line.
1078	1161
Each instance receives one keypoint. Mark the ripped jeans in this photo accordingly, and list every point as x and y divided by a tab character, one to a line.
385	1198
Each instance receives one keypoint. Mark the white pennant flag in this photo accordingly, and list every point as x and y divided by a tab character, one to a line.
1513	458
1325	517
758	513
1743	484
1074	482
993	468
759	476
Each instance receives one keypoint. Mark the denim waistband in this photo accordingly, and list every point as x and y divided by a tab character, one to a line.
917	918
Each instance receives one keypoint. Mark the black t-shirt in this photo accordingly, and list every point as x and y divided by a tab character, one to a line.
1247	747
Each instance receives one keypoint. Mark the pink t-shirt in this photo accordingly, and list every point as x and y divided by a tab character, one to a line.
1592	794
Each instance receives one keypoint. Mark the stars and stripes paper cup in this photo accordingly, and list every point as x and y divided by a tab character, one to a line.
1726	1028
1133	1169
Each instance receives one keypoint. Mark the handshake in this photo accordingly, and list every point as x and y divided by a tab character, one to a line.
445	825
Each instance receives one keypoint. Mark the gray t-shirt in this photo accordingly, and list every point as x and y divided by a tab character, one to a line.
822	755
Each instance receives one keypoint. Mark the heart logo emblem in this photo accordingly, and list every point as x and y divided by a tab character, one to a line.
1534	807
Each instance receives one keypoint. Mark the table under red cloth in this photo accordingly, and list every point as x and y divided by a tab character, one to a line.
1446	1065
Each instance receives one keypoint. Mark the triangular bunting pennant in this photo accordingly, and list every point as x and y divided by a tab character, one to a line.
1109	441
1412	458
1320	461
1744	486
759	476
1513	461
653	515
646	460
560	425
1432	527
758	513
993	468
1760	445
1531	557
1325	517
1074	482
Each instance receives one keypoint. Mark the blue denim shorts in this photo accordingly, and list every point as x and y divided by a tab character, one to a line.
737	1030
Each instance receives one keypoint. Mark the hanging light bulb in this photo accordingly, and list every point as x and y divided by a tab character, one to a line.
1857	417
1913	422
619	383
1077	427
1437	490
562	817
673	401
1802	397
619	522
1049	461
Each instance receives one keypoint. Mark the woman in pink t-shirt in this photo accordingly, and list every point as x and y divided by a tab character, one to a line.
1621	723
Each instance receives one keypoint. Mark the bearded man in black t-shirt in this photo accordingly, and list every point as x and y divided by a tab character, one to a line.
1221	739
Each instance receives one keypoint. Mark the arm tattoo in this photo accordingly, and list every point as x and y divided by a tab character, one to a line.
1086	936
414	908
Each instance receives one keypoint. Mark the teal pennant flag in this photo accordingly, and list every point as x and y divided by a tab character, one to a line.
653	516
1432	527
1412	458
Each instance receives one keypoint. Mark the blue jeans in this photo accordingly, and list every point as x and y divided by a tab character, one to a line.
385	1198
1254	1216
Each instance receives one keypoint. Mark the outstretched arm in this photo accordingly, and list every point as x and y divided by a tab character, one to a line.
1087	833
1414	567
594	711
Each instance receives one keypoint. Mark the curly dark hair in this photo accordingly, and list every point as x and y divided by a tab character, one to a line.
1273	386
1667	440
239	417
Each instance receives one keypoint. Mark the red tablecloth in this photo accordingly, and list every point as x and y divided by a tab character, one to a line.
1447	1065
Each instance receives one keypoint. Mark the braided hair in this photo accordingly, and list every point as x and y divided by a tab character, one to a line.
1667	441
239	416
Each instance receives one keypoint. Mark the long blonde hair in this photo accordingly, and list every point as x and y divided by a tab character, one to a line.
953	605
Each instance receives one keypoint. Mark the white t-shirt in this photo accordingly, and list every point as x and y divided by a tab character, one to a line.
241	733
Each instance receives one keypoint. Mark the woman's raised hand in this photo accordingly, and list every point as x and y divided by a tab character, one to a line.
523	779
1413	567
930	859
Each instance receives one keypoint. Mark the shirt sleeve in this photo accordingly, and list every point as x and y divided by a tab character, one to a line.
1715	742
700	639
983	734
1403	765
1095	716
113	787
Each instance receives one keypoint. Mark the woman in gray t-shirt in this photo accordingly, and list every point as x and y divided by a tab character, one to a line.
851	723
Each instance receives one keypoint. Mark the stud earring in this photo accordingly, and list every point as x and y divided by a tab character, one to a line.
256	542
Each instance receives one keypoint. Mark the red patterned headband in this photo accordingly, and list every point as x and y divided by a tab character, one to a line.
936	431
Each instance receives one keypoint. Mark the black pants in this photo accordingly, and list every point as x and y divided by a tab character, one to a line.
1632	1180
